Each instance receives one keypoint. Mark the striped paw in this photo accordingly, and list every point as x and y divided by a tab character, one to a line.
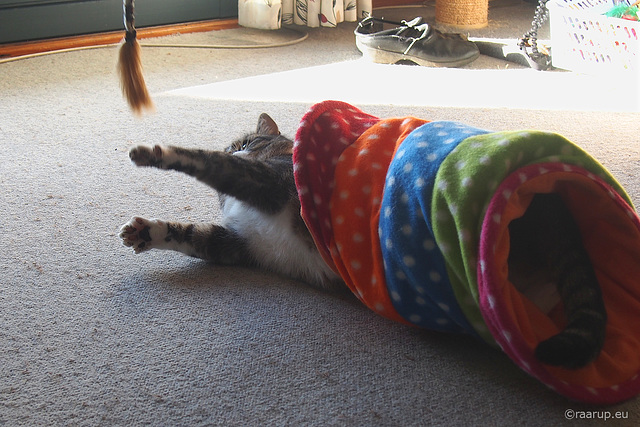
142	234
142	155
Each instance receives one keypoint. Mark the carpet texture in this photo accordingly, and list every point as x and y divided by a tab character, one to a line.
91	334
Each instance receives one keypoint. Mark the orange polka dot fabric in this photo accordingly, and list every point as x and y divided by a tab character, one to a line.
355	211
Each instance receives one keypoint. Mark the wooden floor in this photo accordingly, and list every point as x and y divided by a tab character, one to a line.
28	48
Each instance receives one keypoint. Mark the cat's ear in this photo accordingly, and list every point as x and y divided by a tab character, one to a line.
266	125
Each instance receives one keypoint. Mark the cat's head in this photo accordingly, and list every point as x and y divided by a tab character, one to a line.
266	141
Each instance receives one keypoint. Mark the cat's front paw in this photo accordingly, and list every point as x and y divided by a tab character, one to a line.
143	155
139	233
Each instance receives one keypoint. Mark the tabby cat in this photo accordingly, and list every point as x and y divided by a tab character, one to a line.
546	248
262	227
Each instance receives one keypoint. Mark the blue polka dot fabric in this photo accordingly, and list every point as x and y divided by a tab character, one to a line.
417	279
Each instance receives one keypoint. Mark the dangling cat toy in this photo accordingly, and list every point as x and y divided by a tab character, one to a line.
132	81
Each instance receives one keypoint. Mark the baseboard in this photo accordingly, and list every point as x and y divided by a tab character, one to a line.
28	48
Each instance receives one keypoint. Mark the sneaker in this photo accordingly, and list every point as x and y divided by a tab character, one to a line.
414	41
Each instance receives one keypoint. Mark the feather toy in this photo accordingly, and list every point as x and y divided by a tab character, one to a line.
132	81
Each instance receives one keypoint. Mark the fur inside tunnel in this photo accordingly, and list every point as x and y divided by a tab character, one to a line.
514	237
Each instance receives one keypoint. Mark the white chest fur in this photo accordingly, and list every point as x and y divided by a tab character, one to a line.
274	243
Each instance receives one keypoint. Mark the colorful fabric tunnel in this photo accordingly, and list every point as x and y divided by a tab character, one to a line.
414	216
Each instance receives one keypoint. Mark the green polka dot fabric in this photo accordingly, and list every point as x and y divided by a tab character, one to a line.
465	183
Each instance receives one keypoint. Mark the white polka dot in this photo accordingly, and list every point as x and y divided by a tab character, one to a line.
461	164
442	185
453	208
496	218
400	154
366	189
464	235
523	178
431	157
317	199
379	307
592	391
406	229
409	261
408	167
506	335
339	219
443	306
344	194
395	296
415	318
485	160
311	157
374	136
506	194
492	302
387	212
388	244
400	275
449	141
404	198
467	182
442	321
359	212
353	172
422	144
357	237
419	182
483	265
356	264
376	166
390	181
434	276
429	244
442	133
543	170
420	301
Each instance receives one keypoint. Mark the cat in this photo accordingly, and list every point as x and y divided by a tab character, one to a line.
262	227
546	248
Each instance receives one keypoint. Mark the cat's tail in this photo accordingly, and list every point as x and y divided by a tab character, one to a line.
582	340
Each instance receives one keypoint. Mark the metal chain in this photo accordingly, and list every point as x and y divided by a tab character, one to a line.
537	60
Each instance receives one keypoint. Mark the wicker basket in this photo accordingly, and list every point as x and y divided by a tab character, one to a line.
583	39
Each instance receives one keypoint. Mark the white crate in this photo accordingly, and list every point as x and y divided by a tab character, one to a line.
583	39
